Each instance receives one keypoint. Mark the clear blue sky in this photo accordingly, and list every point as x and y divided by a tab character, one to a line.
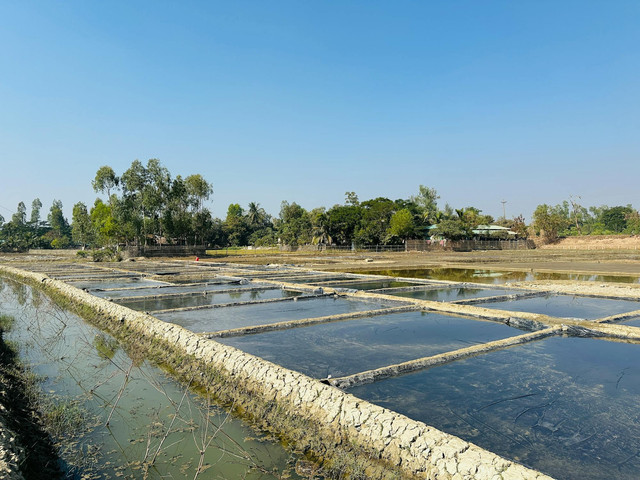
523	101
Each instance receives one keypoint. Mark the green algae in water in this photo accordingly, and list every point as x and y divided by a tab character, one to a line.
569	407
156	427
352	346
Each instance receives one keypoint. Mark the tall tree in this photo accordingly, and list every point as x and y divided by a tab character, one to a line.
19	218
427	201
81	228
59	226
105	181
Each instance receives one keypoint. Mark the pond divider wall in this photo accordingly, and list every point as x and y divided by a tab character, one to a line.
349	436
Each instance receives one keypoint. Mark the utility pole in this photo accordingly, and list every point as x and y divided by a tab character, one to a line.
504	211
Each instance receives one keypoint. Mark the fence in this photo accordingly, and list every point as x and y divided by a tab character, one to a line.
166	251
468	245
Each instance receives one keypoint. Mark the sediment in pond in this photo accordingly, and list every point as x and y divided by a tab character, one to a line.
350	437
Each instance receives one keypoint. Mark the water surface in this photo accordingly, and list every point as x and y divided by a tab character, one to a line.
569	407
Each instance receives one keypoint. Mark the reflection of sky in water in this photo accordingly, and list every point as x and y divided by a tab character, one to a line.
451	294
164	290
120	283
569	407
344	348
225	318
567	306
150	304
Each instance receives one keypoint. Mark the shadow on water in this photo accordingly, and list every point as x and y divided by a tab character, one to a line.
569	407
113	415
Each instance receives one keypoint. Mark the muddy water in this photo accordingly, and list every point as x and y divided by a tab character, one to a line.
569	407
156	427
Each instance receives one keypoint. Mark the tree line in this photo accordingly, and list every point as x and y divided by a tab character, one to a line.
146	205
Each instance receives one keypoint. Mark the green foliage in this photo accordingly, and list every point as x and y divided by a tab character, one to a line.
295	225
401	224
106	255
341	222
427	202
549	221
615	219
453	229
105	180
81	230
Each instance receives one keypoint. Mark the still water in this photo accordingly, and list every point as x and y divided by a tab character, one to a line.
497	276
344	348
156	428
569	407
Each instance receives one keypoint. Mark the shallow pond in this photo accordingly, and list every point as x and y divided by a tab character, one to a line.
452	294
567	306
169	289
157	427
344	348
226	318
497	276
367	285
569	407
150	304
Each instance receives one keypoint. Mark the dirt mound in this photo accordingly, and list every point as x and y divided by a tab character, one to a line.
597	242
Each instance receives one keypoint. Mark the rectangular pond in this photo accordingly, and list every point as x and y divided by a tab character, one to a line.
451	294
150	304
497	276
226	318
348	347
119	283
368	284
162	289
569	407
567	306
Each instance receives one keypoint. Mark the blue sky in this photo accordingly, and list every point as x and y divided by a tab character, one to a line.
527	101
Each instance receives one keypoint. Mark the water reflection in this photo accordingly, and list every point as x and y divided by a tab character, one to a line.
496	276
136	422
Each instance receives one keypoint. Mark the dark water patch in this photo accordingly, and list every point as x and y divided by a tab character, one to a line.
569	407
249	315
451	294
567	306
118	416
150	304
345	348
